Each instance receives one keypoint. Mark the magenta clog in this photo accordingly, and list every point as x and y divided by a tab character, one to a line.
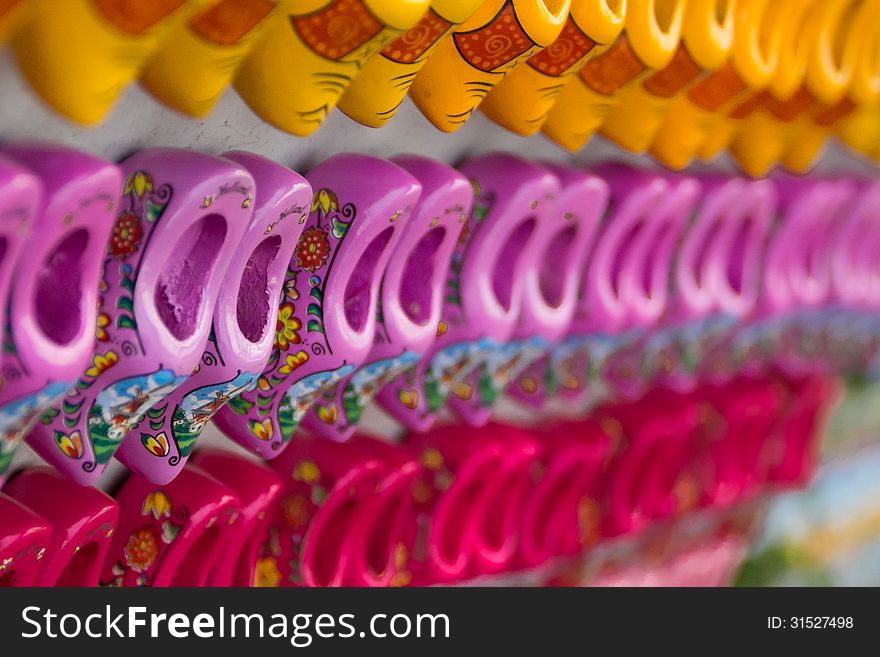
411	298
601	313
258	490
181	217
555	285
54	294
83	520
170	535
24	539
244	324
327	319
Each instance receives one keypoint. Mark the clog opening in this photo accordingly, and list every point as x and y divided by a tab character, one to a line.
358	297
554	6
329	537
78	568
180	289
555	266
451	531
545	512
194	568
500	530
842	35
417	280
722	11
625	245
384	535
57	292
252	307
738	257
614	7
664	13
655	261
507	263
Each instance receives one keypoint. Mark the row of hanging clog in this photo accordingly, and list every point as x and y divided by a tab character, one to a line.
769	79
227	290
443	507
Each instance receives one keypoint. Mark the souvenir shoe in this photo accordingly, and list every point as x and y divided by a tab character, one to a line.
562	515
554	287
24	539
258	490
795	446
327	319
82	518
181	216
861	48
522	100
482	293
787	76
648	43
738	422
21	195
495	517
500	36
645	280
852	330
170	535
382	538
213	42
733	273
552	266
601	314
328	487
693	304
246	324
657	473
375	94
833	26
295	74
80	55
515	203
810	269
795	274
53	297
706	42
458	466
760	30
411	297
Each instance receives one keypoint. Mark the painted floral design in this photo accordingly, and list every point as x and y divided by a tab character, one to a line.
262	429
312	249
138	183
293	361
144	545
295	511
69	443
157	504
325	201
101	327
101	363
156	444
142	549
126	236
266	574
307	472
287	327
